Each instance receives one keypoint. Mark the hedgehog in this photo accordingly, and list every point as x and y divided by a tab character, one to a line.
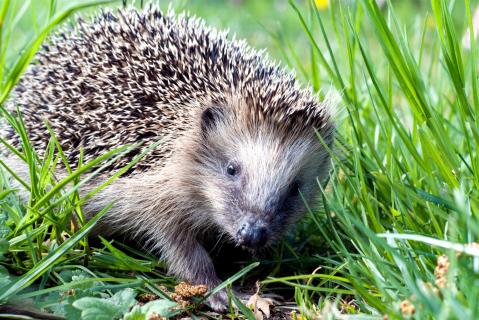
239	156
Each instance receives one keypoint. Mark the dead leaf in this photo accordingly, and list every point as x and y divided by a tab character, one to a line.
258	315
260	305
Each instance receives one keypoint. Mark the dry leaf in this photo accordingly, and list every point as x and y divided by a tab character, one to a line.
260	305
258	315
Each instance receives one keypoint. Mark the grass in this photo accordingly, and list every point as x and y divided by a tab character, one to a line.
399	230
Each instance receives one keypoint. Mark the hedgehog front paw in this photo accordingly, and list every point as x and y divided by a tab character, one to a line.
218	302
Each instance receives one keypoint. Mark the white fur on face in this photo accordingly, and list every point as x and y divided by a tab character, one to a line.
269	166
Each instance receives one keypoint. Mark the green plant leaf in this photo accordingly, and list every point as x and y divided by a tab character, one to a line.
106	309
161	307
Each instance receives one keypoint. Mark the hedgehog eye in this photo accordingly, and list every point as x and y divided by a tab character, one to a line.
232	169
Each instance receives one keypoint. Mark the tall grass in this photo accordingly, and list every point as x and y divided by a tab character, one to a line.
400	221
404	189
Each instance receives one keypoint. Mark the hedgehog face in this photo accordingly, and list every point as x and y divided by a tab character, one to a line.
258	177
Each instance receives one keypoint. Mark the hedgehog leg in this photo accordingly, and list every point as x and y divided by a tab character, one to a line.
219	302
189	261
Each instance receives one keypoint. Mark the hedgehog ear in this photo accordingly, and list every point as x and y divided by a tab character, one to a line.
210	118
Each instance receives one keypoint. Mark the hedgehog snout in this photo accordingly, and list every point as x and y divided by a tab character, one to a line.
252	234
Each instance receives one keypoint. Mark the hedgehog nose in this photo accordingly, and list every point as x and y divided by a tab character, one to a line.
252	236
